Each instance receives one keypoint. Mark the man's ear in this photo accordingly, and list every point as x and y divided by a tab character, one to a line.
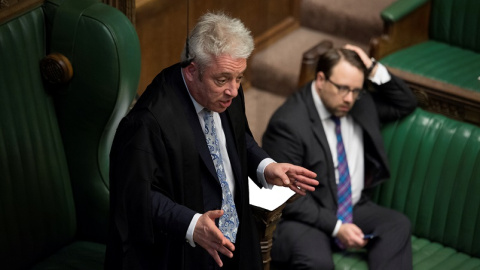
320	76
190	71
320	80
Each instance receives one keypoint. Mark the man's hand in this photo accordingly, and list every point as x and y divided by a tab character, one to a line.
208	236
296	178
367	61
351	236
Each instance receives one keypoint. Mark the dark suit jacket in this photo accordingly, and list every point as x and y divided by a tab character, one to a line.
295	134
161	174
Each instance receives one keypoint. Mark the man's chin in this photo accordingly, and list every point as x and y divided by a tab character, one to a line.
219	109
340	114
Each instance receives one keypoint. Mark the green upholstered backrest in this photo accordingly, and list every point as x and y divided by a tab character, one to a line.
106	63
55	142
37	212
456	22
435	166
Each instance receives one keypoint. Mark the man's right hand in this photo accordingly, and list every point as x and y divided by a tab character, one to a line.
207	235
351	236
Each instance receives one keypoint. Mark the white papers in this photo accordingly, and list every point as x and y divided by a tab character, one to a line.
268	199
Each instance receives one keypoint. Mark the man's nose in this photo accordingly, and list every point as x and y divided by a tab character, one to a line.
349	97
233	89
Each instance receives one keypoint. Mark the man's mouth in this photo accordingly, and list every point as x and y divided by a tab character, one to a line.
226	103
344	108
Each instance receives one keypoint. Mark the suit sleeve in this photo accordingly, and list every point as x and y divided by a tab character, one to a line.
284	142
394	99
140	207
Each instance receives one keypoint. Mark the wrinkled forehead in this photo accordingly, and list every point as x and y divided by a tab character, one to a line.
226	64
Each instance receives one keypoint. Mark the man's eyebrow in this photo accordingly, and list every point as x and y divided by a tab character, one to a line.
352	88
228	74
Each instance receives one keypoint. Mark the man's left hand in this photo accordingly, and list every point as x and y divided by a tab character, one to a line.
296	178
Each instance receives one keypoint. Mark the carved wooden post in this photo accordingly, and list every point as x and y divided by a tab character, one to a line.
309	61
125	6
267	222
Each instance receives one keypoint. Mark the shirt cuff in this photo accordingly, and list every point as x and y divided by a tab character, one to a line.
337	228
261	172
381	76
191	228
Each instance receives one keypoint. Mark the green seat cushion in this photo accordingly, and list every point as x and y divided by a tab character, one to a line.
78	255
439	61
355	260
430	255
426	256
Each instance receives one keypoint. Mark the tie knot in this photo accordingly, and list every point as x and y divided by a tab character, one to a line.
207	114
207	111
335	119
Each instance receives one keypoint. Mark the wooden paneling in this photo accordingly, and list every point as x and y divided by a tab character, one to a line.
162	26
125	6
11	8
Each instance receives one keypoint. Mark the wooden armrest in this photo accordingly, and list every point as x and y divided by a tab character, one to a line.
409	30
309	61
399	9
443	98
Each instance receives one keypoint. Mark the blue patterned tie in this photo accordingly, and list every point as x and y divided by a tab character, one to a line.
344	190
228	223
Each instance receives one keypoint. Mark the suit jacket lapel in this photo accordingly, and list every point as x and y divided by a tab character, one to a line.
319	133
364	114
197	129
202	144
232	150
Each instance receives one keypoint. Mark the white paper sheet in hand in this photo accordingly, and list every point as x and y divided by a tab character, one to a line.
268	199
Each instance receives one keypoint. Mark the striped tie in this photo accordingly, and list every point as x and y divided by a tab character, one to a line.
344	191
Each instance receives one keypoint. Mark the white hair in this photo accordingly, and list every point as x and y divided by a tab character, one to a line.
216	34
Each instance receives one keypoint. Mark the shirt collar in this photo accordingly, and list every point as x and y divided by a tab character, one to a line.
198	107
323	113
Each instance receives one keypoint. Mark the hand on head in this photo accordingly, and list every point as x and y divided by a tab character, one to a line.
208	236
365	58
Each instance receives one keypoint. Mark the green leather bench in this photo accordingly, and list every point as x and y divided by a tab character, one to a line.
434	45
435	181
55	138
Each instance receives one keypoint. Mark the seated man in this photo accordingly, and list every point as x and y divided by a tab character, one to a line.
332	127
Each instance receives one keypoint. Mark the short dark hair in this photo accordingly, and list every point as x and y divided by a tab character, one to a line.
332	57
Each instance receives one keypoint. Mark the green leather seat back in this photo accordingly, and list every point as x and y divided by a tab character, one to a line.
55	142
106	63
439	61
452	53
37	212
456	22
435	166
